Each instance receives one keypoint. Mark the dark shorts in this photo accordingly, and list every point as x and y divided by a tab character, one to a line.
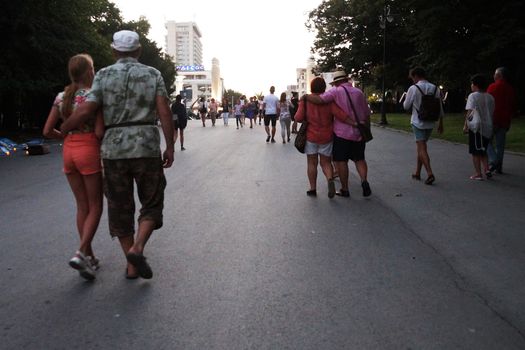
477	144
270	118
175	124
119	176
343	150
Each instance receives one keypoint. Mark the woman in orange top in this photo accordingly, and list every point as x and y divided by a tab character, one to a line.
81	159
319	133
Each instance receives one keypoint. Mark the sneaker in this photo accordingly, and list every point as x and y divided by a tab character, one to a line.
83	265
268	139
366	189
182	149
273	140
95	263
331	188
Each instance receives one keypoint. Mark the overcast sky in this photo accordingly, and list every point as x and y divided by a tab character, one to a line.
258	43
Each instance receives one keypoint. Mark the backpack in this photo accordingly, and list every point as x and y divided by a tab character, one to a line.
430	109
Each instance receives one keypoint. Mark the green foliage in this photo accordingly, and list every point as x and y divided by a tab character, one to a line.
452	39
453	129
38	38
229	94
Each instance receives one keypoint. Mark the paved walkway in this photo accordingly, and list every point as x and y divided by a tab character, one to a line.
246	261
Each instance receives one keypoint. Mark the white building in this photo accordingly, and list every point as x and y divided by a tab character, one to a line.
183	43
301	81
193	82
305	76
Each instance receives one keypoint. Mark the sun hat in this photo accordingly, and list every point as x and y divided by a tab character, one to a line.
338	76
125	41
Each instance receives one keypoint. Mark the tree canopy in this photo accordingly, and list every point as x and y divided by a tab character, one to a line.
452	39
39	37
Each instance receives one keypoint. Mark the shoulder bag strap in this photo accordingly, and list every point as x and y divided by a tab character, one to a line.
352	104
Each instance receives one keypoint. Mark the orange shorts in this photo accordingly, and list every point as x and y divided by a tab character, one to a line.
82	154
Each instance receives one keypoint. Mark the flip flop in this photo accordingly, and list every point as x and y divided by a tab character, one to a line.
430	180
139	261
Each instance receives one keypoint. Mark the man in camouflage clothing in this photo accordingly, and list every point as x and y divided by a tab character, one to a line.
131	95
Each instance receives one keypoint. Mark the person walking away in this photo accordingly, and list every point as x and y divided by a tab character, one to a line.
479	128
295	105
203	110
319	135
225	111
81	154
285	118
422	128
505	109
271	107
261	109
180	120
131	95
348	143
250	111
257	108
214	108
238	113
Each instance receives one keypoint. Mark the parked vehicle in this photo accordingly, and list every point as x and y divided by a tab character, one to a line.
9	147
36	147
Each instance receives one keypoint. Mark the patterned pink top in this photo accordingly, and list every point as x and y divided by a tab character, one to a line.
78	99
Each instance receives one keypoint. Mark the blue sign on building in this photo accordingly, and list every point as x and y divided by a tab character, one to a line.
190	68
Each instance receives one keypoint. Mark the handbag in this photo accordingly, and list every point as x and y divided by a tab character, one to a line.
364	129
300	138
474	121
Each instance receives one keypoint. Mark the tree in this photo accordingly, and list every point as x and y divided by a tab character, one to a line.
349	35
39	37
449	38
232	95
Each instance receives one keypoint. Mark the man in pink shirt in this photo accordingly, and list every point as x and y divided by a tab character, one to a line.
348	142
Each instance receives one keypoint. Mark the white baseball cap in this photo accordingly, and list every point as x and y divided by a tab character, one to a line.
125	41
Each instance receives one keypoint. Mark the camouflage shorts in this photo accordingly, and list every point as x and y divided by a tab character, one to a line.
119	175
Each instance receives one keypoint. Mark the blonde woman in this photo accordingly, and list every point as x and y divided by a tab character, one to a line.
81	154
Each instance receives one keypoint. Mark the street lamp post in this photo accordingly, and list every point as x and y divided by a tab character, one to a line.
386	17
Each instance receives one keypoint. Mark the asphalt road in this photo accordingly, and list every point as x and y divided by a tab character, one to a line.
246	260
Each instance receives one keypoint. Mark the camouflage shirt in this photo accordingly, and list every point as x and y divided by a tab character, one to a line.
127	91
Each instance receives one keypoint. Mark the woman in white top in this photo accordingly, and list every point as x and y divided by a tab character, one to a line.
285	118
478	124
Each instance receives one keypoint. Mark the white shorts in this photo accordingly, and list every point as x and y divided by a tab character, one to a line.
314	148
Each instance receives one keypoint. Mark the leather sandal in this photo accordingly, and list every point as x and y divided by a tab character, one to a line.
430	180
